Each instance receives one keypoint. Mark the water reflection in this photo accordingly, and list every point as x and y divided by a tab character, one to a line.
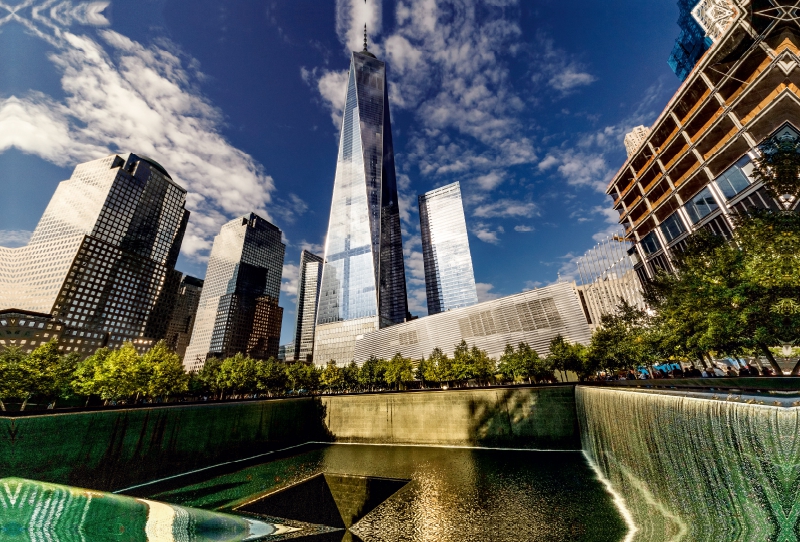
454	494
38	512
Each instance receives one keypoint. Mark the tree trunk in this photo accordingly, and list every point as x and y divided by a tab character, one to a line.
2	405
775	367
24	404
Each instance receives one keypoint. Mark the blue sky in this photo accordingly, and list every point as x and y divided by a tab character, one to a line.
525	102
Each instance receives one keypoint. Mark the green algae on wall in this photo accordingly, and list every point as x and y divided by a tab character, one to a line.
698	469
535	417
113	449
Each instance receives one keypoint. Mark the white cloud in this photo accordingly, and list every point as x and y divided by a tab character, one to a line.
522	228
313	248
579	168
290	279
506	208
332	87
486	234
14	238
570	77
556	69
532	285
491	180
122	96
485	292
351	16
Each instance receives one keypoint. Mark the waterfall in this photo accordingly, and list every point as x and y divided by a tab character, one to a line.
695	467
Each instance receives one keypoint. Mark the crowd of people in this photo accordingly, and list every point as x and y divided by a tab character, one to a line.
676	371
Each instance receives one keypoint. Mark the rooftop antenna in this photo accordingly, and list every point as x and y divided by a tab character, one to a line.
365	34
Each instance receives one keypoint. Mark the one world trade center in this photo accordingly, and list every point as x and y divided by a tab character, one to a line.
363	277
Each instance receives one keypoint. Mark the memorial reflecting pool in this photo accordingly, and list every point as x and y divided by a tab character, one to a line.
392	493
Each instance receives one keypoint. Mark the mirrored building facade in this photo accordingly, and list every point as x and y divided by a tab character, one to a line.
449	279
102	258
181	324
307	296
238	310
363	278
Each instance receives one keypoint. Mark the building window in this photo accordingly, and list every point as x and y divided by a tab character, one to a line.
672	227
650	243
736	178
701	206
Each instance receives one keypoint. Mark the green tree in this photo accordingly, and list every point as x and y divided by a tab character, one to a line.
116	377
84	382
350	376
373	373
38	371
209	377
271	377
441	366
624	340
425	372
331	377
166	374
512	367
12	381
483	366
463	368
239	374
565	356
399	371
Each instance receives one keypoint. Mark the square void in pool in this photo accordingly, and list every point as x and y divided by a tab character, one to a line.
333	500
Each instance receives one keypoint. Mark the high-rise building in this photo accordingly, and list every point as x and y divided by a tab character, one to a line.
694	170
181	324
634	139
102	258
307	296
449	279
363	277
238	310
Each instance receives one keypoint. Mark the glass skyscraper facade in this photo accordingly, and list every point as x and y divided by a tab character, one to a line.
102	258
449	278
363	278
238	310
181	324
307	296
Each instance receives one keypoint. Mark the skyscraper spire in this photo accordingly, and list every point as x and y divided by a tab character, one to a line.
365	37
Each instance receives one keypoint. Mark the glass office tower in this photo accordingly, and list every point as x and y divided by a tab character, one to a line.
102	258
238	310
181	324
449	279
363	277
307	296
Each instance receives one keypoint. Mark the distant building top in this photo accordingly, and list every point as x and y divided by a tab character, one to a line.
702	22
635	138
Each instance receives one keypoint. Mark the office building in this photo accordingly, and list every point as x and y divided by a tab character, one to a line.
181	324
534	317
286	352
449	279
608	279
307	296
634	139
238	310
363	277
102	258
694	170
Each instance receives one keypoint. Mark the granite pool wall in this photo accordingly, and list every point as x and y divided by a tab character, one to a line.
114	449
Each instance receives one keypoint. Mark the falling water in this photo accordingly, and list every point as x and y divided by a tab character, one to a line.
694	467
